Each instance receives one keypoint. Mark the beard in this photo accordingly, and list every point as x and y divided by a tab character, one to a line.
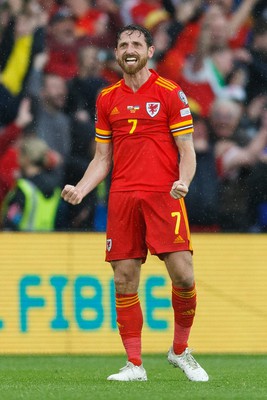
132	69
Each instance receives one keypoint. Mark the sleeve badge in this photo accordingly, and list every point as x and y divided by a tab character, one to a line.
182	97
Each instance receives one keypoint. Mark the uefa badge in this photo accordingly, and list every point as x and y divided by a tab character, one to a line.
152	109
182	97
109	244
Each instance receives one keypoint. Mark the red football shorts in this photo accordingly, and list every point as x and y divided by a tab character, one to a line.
139	220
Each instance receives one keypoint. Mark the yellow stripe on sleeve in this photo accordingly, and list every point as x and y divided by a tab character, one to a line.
97	139
183	123
183	132
103	132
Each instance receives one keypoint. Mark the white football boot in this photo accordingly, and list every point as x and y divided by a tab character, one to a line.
128	373
188	365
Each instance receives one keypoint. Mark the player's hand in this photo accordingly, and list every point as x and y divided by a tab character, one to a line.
72	195
178	190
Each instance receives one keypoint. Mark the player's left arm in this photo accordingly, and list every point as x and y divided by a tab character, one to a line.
187	165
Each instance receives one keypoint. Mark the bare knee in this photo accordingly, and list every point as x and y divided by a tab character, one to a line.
180	268
126	276
124	282
184	281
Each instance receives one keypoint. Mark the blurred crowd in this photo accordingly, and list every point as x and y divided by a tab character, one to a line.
55	57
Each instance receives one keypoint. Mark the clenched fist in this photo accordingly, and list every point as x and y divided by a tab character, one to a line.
178	190
72	195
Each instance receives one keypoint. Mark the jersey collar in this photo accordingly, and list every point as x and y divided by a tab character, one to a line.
145	86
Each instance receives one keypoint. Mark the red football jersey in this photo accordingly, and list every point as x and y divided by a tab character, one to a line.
142	126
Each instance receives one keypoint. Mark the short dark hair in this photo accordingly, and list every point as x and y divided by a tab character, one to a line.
136	28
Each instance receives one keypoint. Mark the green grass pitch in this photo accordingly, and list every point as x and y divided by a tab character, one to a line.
242	377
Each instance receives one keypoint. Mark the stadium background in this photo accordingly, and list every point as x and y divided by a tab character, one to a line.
56	296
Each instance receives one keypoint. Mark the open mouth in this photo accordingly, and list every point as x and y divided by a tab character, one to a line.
130	60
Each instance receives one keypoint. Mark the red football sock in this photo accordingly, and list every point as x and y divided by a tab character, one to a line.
130	323
184	306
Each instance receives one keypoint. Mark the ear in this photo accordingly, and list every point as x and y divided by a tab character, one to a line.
151	51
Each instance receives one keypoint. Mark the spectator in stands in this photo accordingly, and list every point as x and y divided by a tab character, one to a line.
97	22
84	87
137	12
9	136
32	205
110	70
142	11
62	45
217	75
89	21
80	24
50	121
183	30
238	20
214	70
234	163
257	198
22	38
157	23
252	117
51	7
74	136
203	199
80	106
257	64
112	10
200	27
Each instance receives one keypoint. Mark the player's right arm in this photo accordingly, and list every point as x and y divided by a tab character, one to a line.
96	172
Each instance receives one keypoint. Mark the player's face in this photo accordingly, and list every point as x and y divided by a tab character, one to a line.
132	52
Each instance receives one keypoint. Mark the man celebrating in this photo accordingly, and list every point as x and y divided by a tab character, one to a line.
144	128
